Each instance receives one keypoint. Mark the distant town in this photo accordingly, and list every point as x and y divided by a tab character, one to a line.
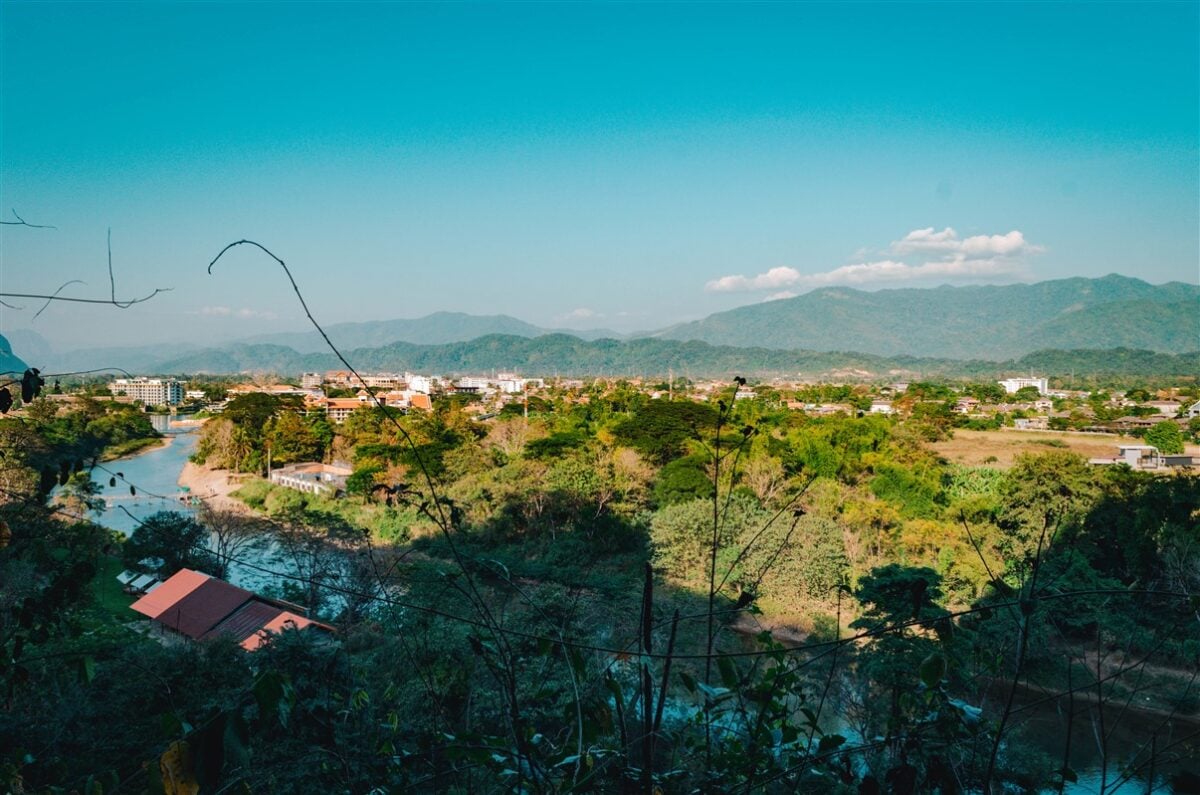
1023	403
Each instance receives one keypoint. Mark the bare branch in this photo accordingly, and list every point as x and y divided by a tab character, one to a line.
22	222
64	286
117	304
111	301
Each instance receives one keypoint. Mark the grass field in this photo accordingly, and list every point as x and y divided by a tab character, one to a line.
975	448
109	595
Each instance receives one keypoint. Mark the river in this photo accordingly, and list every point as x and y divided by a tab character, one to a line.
155	472
154	476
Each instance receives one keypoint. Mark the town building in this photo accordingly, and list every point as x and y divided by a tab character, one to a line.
1014	385
420	383
338	410
1144	457
192	605
311	380
151	391
312	477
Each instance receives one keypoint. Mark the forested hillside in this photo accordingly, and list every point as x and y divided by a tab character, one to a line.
571	356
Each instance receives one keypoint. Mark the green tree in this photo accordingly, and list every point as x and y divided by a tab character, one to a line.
292	439
1167	437
891	598
660	429
1027	394
166	542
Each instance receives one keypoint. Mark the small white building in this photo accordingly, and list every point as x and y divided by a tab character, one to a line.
420	383
1135	456
312	477
1013	385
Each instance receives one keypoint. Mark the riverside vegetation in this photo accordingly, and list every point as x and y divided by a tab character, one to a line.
611	594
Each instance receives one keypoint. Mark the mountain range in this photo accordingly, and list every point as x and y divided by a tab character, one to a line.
562	354
977	322
826	330
435	329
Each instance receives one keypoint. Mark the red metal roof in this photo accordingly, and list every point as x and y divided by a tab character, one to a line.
167	595
205	607
200	606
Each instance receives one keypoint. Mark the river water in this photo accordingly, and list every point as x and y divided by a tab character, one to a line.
154	476
151	473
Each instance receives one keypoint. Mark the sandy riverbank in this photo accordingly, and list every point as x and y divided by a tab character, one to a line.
213	486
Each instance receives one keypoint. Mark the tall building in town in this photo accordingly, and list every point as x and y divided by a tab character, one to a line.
151	391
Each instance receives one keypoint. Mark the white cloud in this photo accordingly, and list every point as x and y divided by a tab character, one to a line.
227	311
947	241
939	255
779	296
776	277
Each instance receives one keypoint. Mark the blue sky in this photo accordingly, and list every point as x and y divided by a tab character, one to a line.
589	165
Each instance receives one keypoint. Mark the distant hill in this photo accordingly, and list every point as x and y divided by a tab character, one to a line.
9	363
986	322
435	329
566	355
29	345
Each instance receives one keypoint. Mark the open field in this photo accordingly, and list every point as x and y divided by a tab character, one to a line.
108	592
974	448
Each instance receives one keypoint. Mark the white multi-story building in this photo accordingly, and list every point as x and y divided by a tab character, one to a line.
1013	385
383	380
311	380
513	384
151	391
420	383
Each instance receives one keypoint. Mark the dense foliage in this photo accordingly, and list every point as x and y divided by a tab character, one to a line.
528	604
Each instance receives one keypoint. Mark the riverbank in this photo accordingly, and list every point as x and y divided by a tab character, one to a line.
136	447
213	486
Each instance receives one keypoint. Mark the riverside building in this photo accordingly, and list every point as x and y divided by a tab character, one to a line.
151	391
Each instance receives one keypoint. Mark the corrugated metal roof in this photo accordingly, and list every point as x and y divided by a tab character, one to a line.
285	620
249	619
167	595
205	607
